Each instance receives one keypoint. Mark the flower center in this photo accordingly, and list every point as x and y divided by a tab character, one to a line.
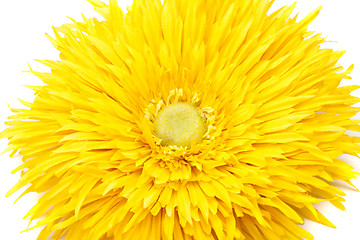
180	124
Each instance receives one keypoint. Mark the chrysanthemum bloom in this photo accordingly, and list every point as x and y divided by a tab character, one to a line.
188	119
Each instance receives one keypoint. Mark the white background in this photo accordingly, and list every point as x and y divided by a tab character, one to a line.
22	39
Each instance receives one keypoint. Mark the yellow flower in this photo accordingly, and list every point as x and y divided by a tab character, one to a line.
188	119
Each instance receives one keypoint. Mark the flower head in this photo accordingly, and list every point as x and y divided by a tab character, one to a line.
186	119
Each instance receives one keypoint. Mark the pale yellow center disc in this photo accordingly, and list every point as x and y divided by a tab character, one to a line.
180	124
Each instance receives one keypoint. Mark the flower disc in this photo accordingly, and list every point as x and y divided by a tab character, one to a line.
180	124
